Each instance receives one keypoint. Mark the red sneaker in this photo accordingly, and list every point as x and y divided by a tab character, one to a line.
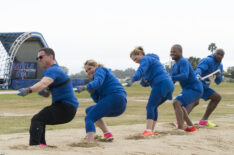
147	133
190	129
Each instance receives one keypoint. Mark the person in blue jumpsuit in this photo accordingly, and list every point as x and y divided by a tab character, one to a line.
206	66
191	87
151	73
64	103
110	96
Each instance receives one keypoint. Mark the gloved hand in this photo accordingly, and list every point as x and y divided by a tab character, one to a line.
199	77
217	74
129	83
44	93
144	83
79	89
24	91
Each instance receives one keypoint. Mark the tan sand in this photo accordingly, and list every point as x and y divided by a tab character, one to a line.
166	141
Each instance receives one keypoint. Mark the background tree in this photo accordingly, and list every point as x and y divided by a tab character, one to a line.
230	72
194	61
212	47
81	75
122	74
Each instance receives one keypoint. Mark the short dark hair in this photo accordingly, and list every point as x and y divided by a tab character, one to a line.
179	47
48	51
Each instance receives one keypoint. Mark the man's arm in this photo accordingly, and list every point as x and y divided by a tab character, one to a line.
183	74
219	77
41	85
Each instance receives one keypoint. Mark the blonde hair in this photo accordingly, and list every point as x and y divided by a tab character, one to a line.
93	63
137	51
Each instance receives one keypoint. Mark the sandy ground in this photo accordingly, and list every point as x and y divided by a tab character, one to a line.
166	141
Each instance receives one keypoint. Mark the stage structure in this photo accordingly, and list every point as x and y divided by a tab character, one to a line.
18	52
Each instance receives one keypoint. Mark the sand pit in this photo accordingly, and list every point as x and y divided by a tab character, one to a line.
167	140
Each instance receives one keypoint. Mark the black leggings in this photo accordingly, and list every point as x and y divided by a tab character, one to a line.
57	113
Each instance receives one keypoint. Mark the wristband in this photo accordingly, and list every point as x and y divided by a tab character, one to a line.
30	90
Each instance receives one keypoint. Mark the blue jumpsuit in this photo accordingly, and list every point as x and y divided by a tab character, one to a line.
205	67
191	86
108	93
152	73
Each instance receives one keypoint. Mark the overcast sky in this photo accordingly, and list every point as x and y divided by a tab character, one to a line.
108	30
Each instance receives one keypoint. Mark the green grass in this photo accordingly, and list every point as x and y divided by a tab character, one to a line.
134	114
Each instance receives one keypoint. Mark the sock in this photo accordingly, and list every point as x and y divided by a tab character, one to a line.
180	130
148	130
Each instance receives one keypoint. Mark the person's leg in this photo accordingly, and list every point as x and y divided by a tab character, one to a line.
57	113
214	101
186	118
36	132
179	114
190	107
43	141
152	108
102	125
110	106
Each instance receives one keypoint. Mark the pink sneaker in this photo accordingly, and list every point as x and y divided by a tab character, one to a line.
201	122
108	136
207	123
42	144
176	123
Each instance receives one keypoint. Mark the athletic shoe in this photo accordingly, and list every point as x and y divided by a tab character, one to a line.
176	123
42	144
147	133
108	136
207	123
190	129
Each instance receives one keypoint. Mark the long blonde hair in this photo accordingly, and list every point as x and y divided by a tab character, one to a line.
137	51
93	63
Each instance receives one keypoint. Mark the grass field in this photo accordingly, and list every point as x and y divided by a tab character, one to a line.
16	112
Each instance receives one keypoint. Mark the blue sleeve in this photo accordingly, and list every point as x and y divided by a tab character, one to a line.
202	67
98	79
51	73
144	65
95	97
219	79
183	73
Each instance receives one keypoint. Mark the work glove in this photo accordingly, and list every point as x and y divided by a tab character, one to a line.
217	75
24	91
199	77
128	83
79	89
44	93
144	83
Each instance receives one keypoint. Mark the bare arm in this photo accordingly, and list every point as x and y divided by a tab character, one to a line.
41	85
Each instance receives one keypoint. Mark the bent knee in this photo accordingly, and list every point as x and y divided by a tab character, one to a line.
216	97
196	103
176	104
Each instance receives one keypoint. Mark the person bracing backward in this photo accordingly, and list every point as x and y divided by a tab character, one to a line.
205	67
64	103
191	88
151	73
109	96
